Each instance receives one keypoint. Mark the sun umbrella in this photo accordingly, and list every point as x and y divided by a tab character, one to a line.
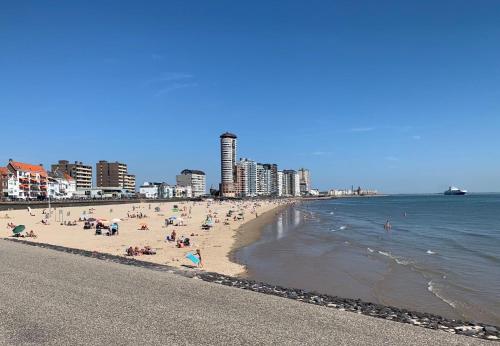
18	229
172	218
115	220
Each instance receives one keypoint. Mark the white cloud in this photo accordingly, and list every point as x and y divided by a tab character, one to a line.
362	129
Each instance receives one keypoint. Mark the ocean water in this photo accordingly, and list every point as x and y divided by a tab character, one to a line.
442	254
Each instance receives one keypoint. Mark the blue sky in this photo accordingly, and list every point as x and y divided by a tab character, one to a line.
401	96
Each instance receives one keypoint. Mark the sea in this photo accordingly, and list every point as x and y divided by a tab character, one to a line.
441	255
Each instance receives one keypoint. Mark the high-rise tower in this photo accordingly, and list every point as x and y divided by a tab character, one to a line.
227	164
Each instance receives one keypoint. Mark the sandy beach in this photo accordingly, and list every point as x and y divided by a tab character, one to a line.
215	244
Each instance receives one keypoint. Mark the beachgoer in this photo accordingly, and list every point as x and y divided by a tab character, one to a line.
198	254
387	226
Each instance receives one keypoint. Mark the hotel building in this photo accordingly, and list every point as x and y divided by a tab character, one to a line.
77	170
228	164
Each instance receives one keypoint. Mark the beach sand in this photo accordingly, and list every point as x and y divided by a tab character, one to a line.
216	245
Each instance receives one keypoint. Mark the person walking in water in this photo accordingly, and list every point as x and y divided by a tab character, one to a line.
387	226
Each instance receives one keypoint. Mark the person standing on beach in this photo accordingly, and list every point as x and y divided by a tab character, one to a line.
198	254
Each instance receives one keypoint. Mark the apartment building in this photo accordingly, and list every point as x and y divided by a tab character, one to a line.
24	181
305	181
194	178
114	174
81	173
228	164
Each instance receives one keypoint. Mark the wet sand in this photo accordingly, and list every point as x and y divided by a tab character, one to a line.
251	231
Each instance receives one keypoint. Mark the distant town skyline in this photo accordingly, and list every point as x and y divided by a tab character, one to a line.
394	96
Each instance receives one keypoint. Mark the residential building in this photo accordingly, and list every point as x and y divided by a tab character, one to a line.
274	179
290	183
194	178
82	174
279	183
61	185
304	181
264	180
228	164
150	190
26	181
182	192
247	172
165	191
9	186
114	174
129	182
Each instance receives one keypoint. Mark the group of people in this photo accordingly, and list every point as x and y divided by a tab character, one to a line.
136	251
138	215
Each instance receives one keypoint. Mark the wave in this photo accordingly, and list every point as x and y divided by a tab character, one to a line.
398	260
435	292
370	250
341	228
430	252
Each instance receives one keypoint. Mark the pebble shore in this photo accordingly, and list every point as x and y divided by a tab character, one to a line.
421	319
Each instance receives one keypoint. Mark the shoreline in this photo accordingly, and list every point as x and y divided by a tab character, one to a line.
251	231
420	319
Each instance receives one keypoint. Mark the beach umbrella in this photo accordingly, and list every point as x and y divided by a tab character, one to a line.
172	218
116	220
18	229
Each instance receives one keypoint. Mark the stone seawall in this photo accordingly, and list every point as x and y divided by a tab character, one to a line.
83	203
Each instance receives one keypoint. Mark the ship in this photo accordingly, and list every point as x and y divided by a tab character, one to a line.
453	191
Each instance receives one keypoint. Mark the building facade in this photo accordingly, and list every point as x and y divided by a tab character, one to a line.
264	179
150	190
228	164
26	181
61	185
82	174
305	181
194	178
246	174
114	174
290	183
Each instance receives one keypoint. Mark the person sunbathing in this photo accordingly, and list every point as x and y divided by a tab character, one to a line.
148	250
31	234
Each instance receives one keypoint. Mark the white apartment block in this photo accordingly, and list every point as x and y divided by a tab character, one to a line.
149	190
194	178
